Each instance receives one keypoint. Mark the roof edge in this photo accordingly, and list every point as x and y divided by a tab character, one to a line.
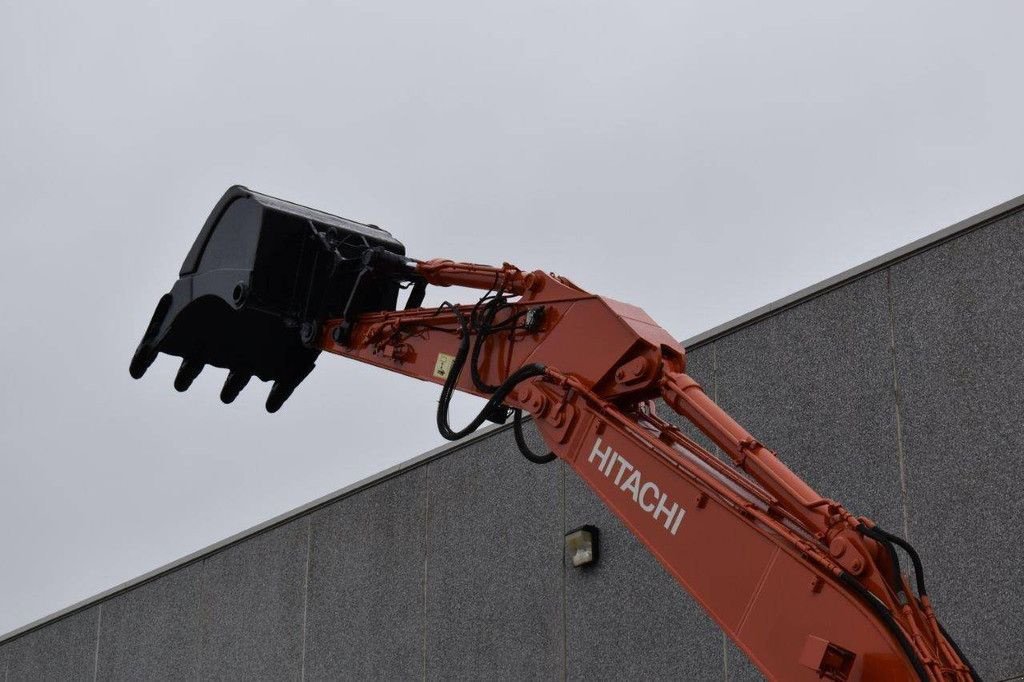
875	264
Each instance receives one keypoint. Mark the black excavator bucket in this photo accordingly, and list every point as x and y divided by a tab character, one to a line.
260	278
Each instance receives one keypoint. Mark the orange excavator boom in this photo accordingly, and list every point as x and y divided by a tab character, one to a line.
808	590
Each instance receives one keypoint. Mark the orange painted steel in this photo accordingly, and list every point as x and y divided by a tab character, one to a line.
785	572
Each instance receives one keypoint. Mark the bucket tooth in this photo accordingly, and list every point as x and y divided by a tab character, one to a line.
279	393
187	373
147	350
233	385
143	358
283	388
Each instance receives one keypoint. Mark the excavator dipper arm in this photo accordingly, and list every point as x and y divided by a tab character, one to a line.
793	578
806	589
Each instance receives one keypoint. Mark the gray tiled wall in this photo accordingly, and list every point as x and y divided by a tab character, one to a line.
815	384
493	570
152	632
899	393
64	650
365	588
959	313
253	607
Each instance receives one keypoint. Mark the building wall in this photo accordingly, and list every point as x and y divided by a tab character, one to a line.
897	391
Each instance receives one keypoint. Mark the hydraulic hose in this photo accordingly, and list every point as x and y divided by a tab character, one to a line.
888	540
890	623
501	392
517	429
520	375
484	327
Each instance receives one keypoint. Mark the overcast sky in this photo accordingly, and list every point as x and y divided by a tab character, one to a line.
699	159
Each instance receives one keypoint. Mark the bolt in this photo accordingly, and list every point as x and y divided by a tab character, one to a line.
239	293
307	333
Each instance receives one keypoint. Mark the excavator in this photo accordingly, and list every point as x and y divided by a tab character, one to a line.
806	589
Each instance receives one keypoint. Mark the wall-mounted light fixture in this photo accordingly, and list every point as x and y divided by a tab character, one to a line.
582	545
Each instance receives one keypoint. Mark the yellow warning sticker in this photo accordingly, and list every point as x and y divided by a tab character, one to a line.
443	365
